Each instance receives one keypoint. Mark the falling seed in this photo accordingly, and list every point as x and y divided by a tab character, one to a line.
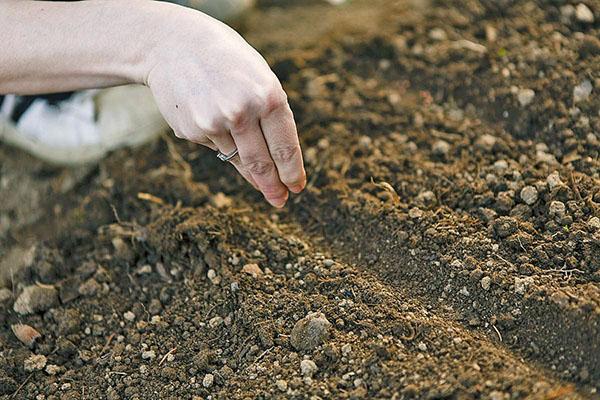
26	334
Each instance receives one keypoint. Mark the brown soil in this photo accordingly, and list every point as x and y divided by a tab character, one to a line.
413	238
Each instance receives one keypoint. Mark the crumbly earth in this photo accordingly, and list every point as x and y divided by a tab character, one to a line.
449	233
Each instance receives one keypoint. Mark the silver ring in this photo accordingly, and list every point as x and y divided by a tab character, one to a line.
226	157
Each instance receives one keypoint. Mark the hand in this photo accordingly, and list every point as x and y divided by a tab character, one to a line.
214	89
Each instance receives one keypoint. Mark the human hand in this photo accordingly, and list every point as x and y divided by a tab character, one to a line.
214	89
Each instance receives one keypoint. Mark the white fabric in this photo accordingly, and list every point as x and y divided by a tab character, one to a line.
71	123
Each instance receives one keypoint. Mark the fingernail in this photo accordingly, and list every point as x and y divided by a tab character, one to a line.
299	187
278	202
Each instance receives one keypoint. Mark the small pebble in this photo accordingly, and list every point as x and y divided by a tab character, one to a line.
252	270
486	142
500	165
221	200
584	14
422	346
415	213
212	276
486	282
215	322
208	380
308	368
553	180
521	284
557	209
438	34
441	148
310	331
582	91
529	195
35	362
525	96
328	262
281	385
52	369
346	349
594	223
129	316
148	355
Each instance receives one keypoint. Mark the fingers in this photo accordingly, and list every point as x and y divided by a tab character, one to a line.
279	131
255	157
224	143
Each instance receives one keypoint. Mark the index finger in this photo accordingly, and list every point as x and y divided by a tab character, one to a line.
279	130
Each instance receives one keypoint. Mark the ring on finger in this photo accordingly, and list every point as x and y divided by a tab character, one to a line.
226	157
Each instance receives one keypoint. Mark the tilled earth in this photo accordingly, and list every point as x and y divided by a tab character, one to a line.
447	245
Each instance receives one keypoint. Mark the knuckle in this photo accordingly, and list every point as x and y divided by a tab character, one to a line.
260	167
284	154
275	99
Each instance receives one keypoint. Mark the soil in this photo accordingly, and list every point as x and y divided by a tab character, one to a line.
449	233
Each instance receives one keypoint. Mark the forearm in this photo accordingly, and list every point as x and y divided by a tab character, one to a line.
60	46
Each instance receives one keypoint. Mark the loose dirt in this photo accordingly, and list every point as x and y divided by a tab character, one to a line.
447	245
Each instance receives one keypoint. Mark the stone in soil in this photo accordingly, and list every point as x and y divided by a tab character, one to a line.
35	362
310	332
252	270
584	14
486	282
208	380
148	355
529	195
582	91
35	299
525	96
281	384
308	368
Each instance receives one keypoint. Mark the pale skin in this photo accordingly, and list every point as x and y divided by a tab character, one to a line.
210	85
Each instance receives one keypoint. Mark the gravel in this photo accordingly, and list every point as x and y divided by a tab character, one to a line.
346	349
281	384
594	223
557	209
308	368
129	316
35	362
529	195
486	282
584	14
553	180
328	262
148	355
252	270
310	332
441	148
208	380
525	96
582	91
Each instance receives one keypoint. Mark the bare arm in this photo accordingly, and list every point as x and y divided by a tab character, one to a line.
210	85
59	46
